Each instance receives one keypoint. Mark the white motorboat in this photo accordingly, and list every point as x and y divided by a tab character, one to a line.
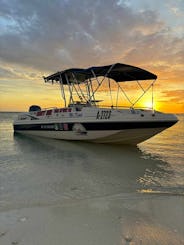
84	118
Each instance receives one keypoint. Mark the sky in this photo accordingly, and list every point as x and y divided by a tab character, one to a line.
40	37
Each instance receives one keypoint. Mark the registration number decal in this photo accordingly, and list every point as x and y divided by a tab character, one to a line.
103	115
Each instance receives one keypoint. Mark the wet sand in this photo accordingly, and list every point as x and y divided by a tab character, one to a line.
119	219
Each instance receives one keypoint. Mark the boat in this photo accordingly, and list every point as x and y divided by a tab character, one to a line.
84	117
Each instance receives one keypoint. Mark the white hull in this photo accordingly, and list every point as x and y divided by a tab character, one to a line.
128	136
121	127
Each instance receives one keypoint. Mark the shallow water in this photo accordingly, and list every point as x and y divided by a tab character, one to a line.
167	147
38	172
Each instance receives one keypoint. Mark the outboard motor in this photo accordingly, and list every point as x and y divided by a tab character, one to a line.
34	108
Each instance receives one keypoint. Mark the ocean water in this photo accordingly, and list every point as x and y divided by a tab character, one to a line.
39	172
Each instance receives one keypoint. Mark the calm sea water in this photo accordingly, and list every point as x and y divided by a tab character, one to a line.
38	171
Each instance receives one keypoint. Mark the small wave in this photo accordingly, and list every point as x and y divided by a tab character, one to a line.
169	192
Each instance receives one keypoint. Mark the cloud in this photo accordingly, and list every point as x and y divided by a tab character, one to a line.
5	73
15	72
61	34
39	37
176	96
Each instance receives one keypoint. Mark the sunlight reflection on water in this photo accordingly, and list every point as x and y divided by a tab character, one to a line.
167	147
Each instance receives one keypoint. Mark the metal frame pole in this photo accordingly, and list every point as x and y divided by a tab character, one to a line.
93	95
110	92
100	83
125	95
144	92
82	94
62	89
117	96
71	97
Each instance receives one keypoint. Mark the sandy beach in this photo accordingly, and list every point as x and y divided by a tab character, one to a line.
118	219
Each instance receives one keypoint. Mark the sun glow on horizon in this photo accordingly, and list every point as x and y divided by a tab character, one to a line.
148	104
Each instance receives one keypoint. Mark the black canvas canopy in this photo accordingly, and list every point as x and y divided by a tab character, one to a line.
118	72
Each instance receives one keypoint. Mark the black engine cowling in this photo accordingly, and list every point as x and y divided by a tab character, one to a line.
34	108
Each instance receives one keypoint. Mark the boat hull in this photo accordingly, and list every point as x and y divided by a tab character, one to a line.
124	127
125	136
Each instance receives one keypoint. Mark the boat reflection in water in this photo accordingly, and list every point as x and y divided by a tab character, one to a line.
103	169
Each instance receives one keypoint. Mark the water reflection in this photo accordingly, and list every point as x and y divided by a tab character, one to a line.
89	170
168	145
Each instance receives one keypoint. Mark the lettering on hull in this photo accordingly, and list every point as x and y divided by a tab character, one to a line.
103	115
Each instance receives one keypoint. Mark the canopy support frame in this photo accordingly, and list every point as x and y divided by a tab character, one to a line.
145	91
62	90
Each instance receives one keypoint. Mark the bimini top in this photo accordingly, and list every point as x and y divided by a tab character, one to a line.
118	72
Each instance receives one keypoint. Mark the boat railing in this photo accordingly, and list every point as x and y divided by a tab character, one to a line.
125	107
49	108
